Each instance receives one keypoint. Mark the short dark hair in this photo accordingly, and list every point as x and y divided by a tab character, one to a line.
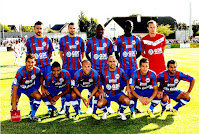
38	23
30	56
72	23
151	21
55	64
143	60
171	62
99	25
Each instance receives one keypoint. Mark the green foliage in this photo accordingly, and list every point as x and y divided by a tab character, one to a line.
5	27
166	30
51	31
27	29
87	25
182	26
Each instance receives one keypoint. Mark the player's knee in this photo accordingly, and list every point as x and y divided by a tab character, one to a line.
38	96
99	104
126	100
130	96
73	95
165	98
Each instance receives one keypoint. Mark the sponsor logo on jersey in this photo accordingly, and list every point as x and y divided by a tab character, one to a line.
147	80
77	42
44	44
117	76
105	45
176	81
133	42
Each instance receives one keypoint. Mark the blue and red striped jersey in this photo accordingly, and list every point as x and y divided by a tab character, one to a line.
57	83
99	49
169	83
24	79
143	81
40	47
128	48
112	79
72	48
93	79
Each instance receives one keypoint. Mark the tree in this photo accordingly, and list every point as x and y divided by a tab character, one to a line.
182	26
87	25
27	29
166	30
6	28
195	27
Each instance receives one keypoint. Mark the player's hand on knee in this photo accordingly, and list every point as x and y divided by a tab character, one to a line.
44	92
159	94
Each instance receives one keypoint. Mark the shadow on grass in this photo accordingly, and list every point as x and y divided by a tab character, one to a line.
86	124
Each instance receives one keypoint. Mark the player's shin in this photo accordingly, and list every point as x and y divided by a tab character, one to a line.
122	107
75	105
95	105
67	103
181	103
132	105
48	104
36	104
154	103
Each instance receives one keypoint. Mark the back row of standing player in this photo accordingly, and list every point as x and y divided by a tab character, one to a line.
127	47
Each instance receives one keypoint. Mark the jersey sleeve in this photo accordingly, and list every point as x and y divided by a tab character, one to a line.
186	77
132	79
110	49
68	78
164	42
142	44
160	77
75	80
82	45
154	80
61	45
97	80
124	75
17	79
27	45
138	45
117	44
50	49
47	81
88	46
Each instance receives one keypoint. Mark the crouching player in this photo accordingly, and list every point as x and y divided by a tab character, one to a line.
143	86
169	80
111	79
26	81
58	80
86	78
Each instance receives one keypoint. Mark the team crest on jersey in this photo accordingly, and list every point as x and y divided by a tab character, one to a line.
133	42
68	54
108	86
147	80
105	45
150	51
176	81
117	76
90	80
76	42
44	44
33	76
61	79
96	56
125	54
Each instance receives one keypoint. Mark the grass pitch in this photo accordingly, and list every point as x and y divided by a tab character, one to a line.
188	62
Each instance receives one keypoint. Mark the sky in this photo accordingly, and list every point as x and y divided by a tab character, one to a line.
25	12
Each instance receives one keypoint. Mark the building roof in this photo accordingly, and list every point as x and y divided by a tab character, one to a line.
59	27
141	27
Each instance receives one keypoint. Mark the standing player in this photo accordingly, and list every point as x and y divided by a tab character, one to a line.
71	49
129	47
26	82
100	48
111	78
153	46
143	86
58	80
86	78
18	50
169	79
42	49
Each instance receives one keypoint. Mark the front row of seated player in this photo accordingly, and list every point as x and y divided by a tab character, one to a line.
142	85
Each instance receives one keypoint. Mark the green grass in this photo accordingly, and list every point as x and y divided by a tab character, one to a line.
188	62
